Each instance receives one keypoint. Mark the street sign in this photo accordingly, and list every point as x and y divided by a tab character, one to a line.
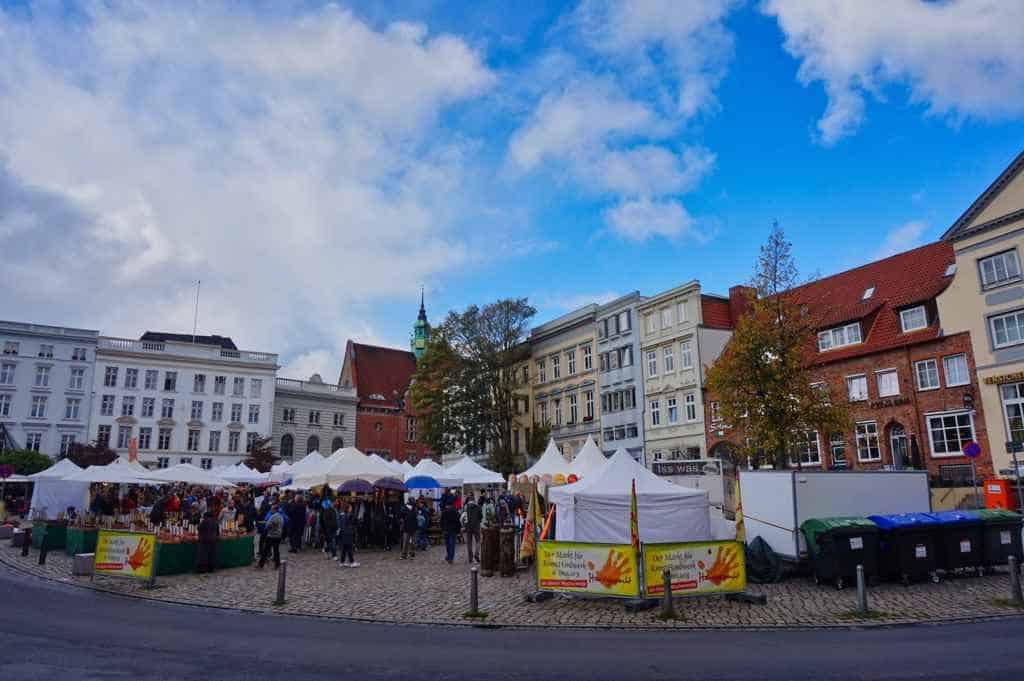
972	450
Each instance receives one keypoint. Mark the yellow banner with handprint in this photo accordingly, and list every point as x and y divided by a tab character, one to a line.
695	568
124	554
576	567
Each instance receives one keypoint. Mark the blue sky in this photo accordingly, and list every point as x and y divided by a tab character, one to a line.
314	164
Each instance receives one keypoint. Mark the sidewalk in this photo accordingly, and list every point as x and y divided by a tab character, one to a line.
427	590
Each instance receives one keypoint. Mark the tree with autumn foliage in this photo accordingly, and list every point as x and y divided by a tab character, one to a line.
763	381
261	455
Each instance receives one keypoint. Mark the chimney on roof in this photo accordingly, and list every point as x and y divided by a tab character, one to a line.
740	298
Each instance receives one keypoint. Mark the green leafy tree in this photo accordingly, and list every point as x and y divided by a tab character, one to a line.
25	461
763	380
93	454
539	437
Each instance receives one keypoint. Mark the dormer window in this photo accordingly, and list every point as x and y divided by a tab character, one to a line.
840	336
868	292
913	318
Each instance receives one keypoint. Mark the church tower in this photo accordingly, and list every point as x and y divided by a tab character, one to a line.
420	331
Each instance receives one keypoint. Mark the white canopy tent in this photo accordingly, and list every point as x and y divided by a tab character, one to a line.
551	462
187	473
114	473
396	468
240	473
596	509
133	465
353	464
407	467
431	468
589	460
52	494
310	465
473	473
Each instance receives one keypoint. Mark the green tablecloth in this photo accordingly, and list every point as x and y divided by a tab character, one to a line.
80	540
177	559
55	533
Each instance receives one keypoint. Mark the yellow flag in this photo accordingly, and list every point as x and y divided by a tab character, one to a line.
741	532
528	545
634	525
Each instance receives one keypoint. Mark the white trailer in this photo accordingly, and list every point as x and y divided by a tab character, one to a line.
776	503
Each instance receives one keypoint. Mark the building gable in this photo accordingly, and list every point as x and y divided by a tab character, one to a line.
1002	201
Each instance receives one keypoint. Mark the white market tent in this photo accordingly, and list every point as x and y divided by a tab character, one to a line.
407	467
596	509
240	473
473	473
284	468
52	494
133	465
551	462
353	464
114	473
431	468
396	468
16	478
310	465
589	460
189	474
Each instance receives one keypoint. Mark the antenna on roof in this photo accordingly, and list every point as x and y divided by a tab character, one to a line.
195	317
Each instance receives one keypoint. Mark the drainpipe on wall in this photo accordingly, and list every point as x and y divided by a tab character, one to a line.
917	412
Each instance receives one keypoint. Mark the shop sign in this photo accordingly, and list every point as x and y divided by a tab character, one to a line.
125	554
679	467
1005	378
889	402
577	567
696	568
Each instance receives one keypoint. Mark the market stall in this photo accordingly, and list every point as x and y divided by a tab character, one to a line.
589	460
53	494
432	469
551	466
176	556
596	509
473	474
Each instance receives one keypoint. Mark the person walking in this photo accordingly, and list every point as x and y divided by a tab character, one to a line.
329	525
347	537
474	518
450	527
296	523
274	532
209	534
409	521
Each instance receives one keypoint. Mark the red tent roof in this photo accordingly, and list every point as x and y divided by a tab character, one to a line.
899	281
380	375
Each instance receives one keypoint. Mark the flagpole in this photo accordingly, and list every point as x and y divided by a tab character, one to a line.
195	317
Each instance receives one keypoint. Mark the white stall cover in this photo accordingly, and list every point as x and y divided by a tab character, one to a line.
473	473
189	474
433	469
596	509
57	471
51	494
240	473
114	473
589	460
396	468
310	465
551	462
353	464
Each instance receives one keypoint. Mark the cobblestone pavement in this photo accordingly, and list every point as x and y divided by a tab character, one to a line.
428	590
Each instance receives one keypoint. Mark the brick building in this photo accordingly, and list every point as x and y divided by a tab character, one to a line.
912	388
386	422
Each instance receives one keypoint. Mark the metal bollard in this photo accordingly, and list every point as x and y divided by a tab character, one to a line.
1015	591
668	610
474	591
862	591
26	543
282	574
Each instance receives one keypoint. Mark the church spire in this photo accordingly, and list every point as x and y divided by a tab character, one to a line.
420	330
423	310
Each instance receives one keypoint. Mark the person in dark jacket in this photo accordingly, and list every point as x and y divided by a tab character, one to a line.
410	523
273	531
474	517
329	526
209	534
347	524
450	527
296	524
157	513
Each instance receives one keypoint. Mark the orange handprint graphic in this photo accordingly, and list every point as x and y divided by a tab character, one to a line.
614	569
725	567
141	554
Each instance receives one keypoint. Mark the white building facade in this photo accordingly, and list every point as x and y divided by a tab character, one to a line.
621	377
202	402
312	416
46	377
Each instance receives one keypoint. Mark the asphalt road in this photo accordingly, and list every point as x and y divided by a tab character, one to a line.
51	631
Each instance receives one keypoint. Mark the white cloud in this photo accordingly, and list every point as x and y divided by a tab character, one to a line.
640	219
959	59
901	238
570	302
290	161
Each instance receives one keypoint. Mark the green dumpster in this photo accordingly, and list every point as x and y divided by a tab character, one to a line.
836	546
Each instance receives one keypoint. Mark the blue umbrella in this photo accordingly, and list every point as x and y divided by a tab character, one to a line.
357	486
391	484
422	482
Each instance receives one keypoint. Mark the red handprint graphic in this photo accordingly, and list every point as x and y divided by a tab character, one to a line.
141	554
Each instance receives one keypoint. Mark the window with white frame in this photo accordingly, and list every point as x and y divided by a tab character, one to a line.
238	387
79	355
148	407
686	354
34	441
570	362
110	377
955	368
927	372
668	359
655	413
255	387
107	405
145	437
199	383
652	363
46	351
170	381
217	412
867	441
288	415
251	439
314	416
67	440
197	410
7	374
38	410
103	436
131	378
556	406
163	438
219	384
556	367
124	435
206	463
11	347
690	402
588	401
541	371
185	459
837	448
543	408
236	412
214	441
913	318
948	433
339	419
624	321
1007	329
167	408
254	414
806	450
857	388
5	404
234	439
128	405
574	411
681	311
673	410
716	412
163	462
625	356
150	379
588	357
666	317
888	382
838	337
77	379
649	323
1001	268
1013	408
193	440
42	376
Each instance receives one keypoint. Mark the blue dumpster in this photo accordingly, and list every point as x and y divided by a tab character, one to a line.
960	540
908	546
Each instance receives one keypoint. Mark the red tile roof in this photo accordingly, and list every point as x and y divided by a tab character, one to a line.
916	276
716	312
380	375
